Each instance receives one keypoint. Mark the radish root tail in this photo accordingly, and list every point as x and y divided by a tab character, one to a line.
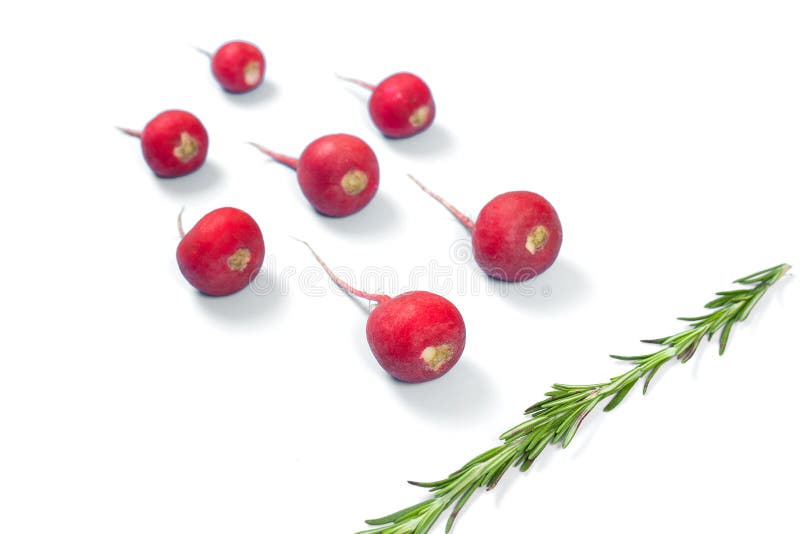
377	297
132	133
206	53
463	219
280	158
365	85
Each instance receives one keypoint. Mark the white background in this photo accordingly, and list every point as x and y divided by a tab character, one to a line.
666	135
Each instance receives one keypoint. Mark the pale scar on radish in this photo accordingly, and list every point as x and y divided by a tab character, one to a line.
187	148
239	259
419	116
252	73
354	182
537	239
435	357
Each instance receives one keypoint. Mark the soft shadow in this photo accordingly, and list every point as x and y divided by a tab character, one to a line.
364	305
200	180
364	354
253	303
588	429
377	217
265	92
695	362
359	92
435	141
513	475
559	288
462	394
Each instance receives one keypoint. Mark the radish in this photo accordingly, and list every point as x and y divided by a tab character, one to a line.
416	336
174	143
222	252
238	66
337	173
517	235
401	105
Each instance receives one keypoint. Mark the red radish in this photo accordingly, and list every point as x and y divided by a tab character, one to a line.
401	105
416	336
222	252
337	173
174	143
238	66
517	235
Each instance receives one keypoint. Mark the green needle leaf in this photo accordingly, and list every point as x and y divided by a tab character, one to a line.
619	396
557	418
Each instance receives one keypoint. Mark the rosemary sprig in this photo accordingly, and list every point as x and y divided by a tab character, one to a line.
556	419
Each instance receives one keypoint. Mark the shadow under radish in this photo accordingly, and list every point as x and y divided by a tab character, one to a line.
561	287
435	141
463	393
255	303
377	218
201	180
264	93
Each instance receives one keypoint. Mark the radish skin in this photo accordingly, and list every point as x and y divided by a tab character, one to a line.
238	66
516	236
222	252
416	336
401	105
174	143
338	174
